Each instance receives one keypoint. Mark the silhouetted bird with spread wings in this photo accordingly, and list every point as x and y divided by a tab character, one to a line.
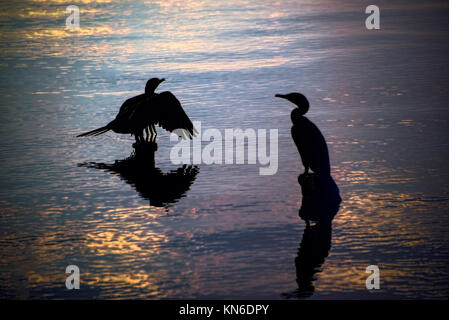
142	112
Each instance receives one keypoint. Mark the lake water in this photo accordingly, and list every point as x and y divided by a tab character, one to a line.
378	96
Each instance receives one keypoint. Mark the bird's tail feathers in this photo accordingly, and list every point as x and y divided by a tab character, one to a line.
95	132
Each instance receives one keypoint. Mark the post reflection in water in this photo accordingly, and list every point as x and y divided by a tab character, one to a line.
139	170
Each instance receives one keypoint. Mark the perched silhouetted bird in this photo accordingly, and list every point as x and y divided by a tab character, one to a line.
310	142
146	110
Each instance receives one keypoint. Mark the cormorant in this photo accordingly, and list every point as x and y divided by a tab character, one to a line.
144	111
310	142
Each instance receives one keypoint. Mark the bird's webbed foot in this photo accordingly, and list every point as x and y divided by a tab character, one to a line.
150	137
148	134
154	130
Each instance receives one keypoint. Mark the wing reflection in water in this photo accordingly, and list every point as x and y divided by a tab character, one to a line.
139	170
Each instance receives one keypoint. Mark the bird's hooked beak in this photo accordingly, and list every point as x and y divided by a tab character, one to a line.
298	99
278	95
161	80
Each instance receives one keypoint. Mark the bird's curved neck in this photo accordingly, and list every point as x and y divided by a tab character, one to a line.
297	116
302	110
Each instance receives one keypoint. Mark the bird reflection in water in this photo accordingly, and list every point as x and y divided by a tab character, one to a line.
139	170
320	197
320	203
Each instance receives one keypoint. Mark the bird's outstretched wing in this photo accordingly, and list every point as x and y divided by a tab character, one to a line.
129	106
169	114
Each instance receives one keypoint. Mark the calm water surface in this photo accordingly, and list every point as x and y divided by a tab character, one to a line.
379	98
